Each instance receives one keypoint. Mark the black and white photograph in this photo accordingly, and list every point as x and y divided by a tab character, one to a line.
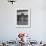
23	18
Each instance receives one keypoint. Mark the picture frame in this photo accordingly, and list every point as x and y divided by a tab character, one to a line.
23	18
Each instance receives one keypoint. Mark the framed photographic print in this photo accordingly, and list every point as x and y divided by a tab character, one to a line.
23	17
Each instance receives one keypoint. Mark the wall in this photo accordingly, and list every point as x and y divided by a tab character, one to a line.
8	28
